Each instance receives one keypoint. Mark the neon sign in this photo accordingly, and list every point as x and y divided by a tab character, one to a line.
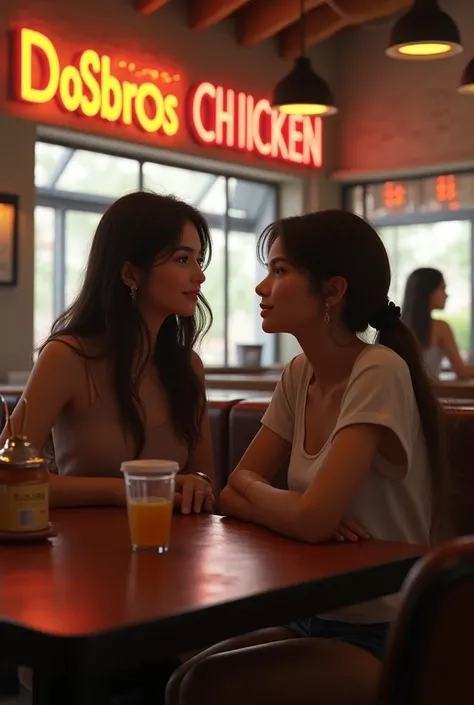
89	87
95	87
223	117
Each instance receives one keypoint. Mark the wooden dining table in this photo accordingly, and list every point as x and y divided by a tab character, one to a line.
455	389
84	606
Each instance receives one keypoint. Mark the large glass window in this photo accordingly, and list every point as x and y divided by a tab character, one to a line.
427	222
44	272
75	186
430	194
445	246
79	230
248	203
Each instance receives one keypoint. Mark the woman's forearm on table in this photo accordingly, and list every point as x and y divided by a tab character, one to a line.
66	491
279	510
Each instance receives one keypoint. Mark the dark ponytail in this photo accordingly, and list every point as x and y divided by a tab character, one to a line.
401	340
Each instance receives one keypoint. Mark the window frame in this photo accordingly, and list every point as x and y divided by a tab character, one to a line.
62	201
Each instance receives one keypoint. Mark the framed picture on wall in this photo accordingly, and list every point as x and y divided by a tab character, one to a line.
8	239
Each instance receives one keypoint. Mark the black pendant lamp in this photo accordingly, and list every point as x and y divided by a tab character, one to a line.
424	33
302	91
466	86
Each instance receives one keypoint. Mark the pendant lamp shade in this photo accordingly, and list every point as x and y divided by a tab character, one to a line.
303	92
467	79
424	33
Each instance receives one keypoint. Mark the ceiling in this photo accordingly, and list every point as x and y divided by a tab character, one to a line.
258	20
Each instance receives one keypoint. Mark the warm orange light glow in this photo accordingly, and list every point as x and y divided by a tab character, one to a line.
90	88
466	88
423	50
122	92
223	117
306	109
7	244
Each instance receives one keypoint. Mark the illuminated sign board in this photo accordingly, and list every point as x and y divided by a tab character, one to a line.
95	87
88	86
238	121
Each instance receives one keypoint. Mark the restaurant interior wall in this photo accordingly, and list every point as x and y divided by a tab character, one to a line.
402	115
164	38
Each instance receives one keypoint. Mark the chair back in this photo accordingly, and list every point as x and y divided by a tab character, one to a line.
430	648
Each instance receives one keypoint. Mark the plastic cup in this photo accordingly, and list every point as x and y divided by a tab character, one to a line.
150	497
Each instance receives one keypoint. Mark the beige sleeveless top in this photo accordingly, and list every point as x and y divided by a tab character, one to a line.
93	443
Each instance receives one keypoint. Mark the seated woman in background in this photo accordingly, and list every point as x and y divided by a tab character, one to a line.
425	292
117	378
364	436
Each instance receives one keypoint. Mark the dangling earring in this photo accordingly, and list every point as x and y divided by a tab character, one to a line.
327	314
133	293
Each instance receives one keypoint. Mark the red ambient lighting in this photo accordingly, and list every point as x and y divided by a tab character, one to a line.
95	86
226	118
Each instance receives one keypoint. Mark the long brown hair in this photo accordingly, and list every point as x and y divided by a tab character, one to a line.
416	311
337	243
140	228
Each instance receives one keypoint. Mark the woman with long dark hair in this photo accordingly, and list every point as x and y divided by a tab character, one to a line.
364	436
425	292
118	378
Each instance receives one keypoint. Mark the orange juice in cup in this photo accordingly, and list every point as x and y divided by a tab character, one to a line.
150	496
150	521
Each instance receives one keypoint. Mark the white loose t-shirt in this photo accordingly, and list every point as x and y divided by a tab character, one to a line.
394	501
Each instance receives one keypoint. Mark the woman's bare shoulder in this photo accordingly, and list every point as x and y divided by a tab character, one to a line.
67	345
439	330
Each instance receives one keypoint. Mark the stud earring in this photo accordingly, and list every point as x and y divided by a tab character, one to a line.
133	292
327	314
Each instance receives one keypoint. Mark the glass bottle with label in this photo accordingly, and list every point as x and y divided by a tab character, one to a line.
24	488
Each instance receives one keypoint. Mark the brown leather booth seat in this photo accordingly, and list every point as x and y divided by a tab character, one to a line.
234	424
245	420
244	423
219	412
460	421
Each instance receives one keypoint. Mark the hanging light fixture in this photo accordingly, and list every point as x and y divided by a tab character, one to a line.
302	91
424	32
467	79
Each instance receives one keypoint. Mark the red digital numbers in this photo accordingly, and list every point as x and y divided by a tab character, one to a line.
446	191
394	195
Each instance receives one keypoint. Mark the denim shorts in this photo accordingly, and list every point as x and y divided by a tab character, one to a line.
370	637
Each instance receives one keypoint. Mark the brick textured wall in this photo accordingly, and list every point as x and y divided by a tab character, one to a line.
399	114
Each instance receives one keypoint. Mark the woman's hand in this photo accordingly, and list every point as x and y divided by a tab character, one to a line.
349	530
193	494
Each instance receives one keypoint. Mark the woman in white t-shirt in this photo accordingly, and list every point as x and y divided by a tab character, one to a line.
364	437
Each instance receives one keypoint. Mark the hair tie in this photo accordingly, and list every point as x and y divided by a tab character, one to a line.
386	317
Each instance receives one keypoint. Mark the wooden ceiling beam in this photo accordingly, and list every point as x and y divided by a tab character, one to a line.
262	19
324	22
147	7
203	14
